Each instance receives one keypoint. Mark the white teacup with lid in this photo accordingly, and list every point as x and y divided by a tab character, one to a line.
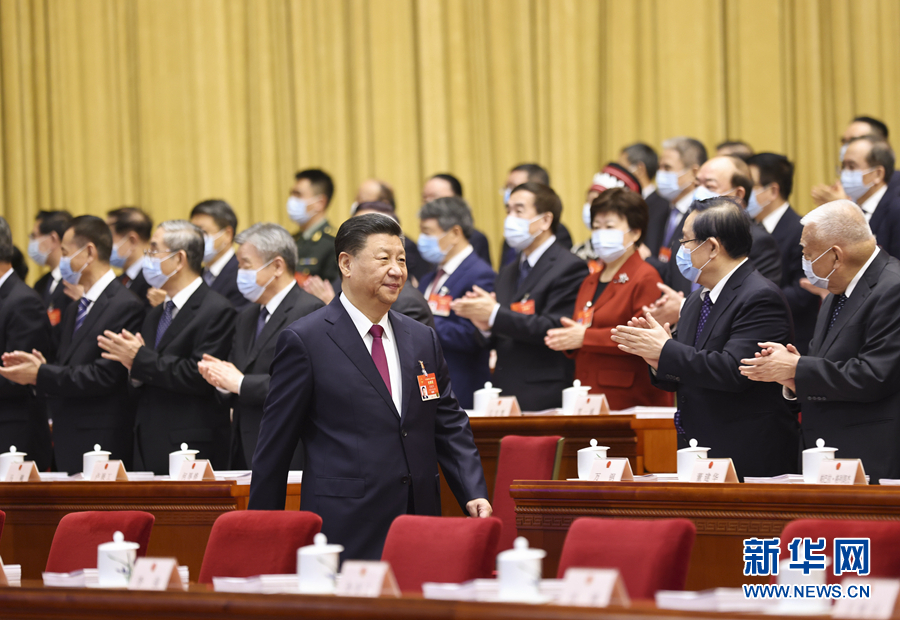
178	457
686	459
8	458
115	561
317	566
94	456
519	572
587	456
483	397
812	460
571	394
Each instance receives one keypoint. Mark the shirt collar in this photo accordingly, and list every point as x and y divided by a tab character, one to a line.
717	289
273	304
217	267
133	271
869	205
362	322
453	264
646	191
859	274
535	256
771	220
100	285
309	232
56	274
6	275
685	203
182	296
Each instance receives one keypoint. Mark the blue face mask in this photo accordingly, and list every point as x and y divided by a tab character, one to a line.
686	266
506	194
753	206
811	275
209	246
586	215
667	184
853	183
116	259
246	283
35	253
65	268
429	247
152	270
517	232
298	210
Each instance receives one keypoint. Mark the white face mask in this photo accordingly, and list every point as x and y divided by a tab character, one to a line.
854	186
298	210
810	274
609	244
517	232
667	184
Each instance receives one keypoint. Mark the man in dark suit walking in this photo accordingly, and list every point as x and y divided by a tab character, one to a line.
23	326
847	386
267	256
86	395
721	323
131	229
175	403
346	380
219	224
532	294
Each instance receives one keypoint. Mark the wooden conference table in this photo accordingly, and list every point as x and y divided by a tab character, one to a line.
725	514
184	511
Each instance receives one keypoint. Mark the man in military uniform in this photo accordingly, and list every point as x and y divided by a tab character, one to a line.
310	197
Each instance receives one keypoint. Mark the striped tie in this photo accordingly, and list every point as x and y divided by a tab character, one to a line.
164	321
83	304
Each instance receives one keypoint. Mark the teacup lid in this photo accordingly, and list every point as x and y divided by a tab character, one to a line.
694	448
118	544
594	447
820	448
97	451
184	450
320	546
577	387
489	387
520	551
13	452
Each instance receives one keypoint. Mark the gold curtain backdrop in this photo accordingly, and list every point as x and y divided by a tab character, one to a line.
163	103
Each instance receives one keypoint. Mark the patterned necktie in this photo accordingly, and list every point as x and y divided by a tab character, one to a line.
378	355
261	322
164	321
208	277
704	314
524	270
838	304
437	281
83	304
126	281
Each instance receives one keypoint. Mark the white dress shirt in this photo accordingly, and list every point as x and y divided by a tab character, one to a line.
646	191
532	259
133	271
6	275
363	324
771	220
720	285
93	294
182	296
56	275
868	207
217	267
448	268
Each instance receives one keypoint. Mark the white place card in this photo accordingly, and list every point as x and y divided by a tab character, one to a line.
4	580
23	472
367	578
841	471
591	404
881	603
503	407
196	470
155	574
611	470
108	471
713	470
593	587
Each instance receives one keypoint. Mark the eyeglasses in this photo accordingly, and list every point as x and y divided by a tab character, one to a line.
686	241
154	253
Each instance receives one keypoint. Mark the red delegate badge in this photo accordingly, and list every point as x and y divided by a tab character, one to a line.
526	306
428	388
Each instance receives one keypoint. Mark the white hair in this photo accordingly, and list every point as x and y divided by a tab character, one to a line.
838	223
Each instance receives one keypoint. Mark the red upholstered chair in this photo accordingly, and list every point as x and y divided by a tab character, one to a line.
74	545
522	458
246	543
650	555
884	546
441	549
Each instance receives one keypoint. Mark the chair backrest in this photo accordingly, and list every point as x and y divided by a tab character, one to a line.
522	458
650	555
884	543
440	549
245	543
78	534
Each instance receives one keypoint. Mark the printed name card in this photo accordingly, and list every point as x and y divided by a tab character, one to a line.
881	604
196	470
713	470
22	472
108	471
503	407
611	470
367	578
841	471
591	404
155	574
593	587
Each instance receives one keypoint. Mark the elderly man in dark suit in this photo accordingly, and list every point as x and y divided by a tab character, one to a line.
346	380
721	323
175	403
87	396
847	385
267	256
219	224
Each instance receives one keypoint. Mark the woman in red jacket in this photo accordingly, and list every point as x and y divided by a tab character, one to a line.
610	297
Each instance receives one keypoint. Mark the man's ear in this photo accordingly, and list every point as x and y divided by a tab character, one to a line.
344	262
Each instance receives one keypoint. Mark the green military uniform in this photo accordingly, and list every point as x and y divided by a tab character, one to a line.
315	252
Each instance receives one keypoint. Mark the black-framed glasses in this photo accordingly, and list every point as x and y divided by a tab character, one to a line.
683	241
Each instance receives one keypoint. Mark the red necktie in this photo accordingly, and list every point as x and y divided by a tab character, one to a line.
378	355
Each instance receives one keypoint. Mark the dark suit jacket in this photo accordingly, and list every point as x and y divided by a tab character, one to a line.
481	245
175	403
847	386
225	285
57	300
253	357
23	326
410	303
139	286
724	410
526	367
464	348
885	222
658	209
87	396
563	237
361	453
804	305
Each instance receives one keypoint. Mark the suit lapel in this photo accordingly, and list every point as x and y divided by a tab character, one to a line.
728	294
184	316
544	264
687	325
93	316
860	293
274	324
403	341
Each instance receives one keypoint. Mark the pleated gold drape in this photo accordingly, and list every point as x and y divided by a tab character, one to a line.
162	103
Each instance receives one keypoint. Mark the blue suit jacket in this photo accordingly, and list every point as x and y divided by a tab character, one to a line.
465	350
885	222
361	453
